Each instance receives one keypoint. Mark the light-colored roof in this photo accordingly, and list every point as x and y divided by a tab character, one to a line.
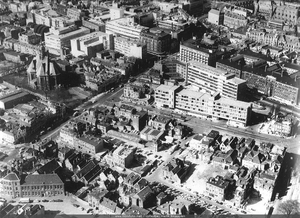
167	88
229	101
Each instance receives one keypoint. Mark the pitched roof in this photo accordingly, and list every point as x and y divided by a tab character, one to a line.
49	167
42	179
86	169
11	177
144	193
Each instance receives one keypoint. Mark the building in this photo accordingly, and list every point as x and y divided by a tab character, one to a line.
12	99
150	134
215	17
217	188
122	156
190	50
165	96
29	38
43	73
75	14
269	80
90	44
124	27
130	47
288	13
137	119
176	170
22	47
235	17
212	80
158	42
60	38
33	186
143	198
213	107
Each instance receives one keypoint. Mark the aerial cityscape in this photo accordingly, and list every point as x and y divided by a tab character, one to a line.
149	108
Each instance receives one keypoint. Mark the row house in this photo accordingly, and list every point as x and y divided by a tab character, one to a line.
274	39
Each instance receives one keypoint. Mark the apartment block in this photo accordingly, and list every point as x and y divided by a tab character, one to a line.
91	43
165	96
130	47
212	106
60	38
124	27
211	79
158	42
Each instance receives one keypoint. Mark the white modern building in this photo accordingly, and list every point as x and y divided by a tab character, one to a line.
58	38
212	106
130	47
210	79
91	43
125	27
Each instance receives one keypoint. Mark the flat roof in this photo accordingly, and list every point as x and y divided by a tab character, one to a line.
167	88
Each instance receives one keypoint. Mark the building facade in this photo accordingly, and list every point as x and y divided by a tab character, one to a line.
211	79
213	107
33	186
165	96
58	39
91	43
124	27
130	47
158	42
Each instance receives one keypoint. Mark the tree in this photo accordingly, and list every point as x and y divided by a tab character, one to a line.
289	207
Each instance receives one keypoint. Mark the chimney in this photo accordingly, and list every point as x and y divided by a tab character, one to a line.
266	68
282	73
295	78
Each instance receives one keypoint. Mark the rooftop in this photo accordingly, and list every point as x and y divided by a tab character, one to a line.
167	88
42	179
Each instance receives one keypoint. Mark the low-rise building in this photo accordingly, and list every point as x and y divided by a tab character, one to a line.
176	170
33	186
122	156
14	98
217	188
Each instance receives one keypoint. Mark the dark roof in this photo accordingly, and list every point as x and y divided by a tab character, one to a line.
86	169
93	173
42	179
145	193
11	177
250	53
50	167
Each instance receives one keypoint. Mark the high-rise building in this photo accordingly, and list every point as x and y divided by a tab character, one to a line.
213	80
